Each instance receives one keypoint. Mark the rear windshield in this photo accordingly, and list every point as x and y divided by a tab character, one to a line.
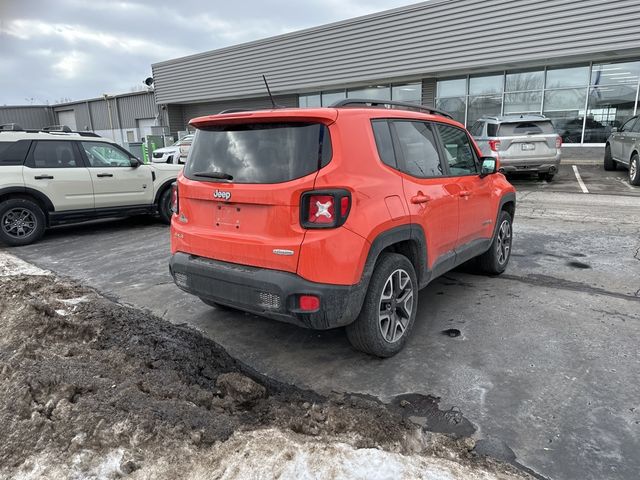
526	128
259	152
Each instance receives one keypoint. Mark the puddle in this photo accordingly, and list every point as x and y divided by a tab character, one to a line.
451	332
579	265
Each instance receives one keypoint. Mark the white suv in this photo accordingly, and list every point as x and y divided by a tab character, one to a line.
51	178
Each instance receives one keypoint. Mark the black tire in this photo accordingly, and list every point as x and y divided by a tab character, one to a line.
366	332
22	222
609	162
546	176
634	170
164	206
495	260
217	305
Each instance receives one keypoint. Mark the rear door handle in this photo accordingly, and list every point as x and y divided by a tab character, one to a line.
464	194
105	175
420	198
43	177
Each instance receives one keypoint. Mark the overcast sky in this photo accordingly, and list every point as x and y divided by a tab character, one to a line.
77	49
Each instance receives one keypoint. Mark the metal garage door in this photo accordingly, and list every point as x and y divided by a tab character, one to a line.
144	126
68	118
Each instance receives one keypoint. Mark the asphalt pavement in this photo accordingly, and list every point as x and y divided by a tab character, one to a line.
546	361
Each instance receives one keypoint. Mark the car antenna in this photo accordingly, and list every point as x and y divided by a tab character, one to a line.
266	84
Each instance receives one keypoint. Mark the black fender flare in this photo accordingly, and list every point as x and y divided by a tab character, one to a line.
163	187
41	197
509	197
412	232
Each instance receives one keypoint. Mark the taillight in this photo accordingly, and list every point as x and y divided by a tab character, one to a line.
309	303
324	209
174	197
494	145
558	141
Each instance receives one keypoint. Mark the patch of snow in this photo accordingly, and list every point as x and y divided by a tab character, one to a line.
74	301
10	265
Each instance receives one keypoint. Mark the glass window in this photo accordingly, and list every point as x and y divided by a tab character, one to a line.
566	109
608	107
54	154
453	106
309	101
411	92
379	92
452	88
259	152
526	128
384	143
486	85
14	153
479	106
476	129
418	146
458	150
492	129
615	73
636	126
568	77
523	81
523	102
329	98
629	125
103	155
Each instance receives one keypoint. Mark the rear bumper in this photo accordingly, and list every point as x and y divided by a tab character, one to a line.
534	165
269	293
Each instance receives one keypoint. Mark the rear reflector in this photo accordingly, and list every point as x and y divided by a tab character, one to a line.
494	145
558	141
309	303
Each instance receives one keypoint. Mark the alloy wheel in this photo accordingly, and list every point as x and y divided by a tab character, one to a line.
396	306
19	222
633	169
503	246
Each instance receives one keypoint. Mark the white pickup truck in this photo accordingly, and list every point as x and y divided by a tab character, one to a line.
52	178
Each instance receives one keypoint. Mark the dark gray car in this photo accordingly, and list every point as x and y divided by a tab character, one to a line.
623	147
522	143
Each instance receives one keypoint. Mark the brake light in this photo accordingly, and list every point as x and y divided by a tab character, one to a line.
324	209
494	145
558	141
174	198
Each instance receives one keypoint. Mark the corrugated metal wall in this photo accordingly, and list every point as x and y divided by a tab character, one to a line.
413	41
125	110
27	116
200	109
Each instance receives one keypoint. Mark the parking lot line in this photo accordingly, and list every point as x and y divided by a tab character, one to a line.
579	178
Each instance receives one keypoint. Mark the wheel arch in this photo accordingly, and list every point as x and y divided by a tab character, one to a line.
163	188
29	193
408	240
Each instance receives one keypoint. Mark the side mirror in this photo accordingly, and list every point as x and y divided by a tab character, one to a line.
489	166
614	129
135	163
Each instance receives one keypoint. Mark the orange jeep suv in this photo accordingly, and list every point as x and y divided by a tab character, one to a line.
331	217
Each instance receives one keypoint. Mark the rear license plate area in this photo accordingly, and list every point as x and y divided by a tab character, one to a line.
527	146
227	216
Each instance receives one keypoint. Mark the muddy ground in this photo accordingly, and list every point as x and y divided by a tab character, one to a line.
93	389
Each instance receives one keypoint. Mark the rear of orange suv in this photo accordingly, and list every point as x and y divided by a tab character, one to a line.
288	213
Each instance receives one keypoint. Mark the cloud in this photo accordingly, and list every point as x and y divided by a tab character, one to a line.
80	49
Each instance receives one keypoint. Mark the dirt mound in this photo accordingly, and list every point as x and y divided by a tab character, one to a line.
92	388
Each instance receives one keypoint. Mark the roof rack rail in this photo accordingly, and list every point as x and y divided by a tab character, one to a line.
376	103
57	128
11	127
87	134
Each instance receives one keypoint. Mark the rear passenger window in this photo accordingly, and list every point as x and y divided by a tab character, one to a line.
418	146
383	142
458	150
54	154
14	153
492	130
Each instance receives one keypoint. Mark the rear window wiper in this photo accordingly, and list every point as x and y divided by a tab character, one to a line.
220	175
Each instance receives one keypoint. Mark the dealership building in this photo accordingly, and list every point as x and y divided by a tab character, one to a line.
575	61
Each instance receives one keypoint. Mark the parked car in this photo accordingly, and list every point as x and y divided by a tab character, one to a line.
184	149
623	148
523	143
331	217
171	154
55	177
